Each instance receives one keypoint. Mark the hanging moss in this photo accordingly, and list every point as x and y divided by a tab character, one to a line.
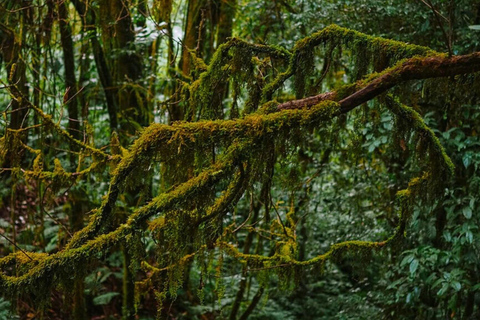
431	153
304	66
225	158
232	59
80	251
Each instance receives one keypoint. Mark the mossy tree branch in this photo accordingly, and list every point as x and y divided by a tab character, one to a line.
239	145
416	68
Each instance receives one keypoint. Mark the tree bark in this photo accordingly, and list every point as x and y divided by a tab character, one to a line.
118	33
253	304
99	56
412	69
70	98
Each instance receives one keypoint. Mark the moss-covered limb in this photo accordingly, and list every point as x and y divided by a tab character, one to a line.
223	203
21	257
20	130
198	63
308	102
204	100
285	255
414	119
271	87
430	150
47	120
161	137
164	202
154	271
59	173
87	243
337	34
376	46
57	265
59	176
416	68
50	269
270	50
156	276
281	259
229	198
300	63
159	141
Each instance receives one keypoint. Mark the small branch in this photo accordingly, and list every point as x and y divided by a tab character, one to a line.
434	10
440	24
280	219
249	215
16	246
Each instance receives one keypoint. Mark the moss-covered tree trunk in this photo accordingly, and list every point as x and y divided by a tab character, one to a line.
71	99
12	36
89	24
224	30
118	34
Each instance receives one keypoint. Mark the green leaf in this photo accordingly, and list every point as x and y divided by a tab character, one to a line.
407	259
409	297
442	290
413	265
466	160
104	298
456	285
474	27
467	212
448	236
436	283
469	236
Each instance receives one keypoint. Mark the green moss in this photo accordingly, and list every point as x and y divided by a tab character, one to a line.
431	154
364	47
186	219
232	59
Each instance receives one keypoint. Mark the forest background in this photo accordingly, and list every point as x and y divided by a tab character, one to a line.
157	159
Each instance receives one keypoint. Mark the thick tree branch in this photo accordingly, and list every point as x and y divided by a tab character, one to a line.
412	69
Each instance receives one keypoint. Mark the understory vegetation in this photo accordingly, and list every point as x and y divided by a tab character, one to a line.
230	159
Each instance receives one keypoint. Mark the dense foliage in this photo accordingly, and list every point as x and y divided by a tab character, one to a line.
213	159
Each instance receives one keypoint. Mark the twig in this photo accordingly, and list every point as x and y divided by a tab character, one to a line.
15	245
58	222
249	215
440	24
280	219
436	11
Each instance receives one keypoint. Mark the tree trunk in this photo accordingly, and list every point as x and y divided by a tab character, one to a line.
118	33
71	100
88	18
